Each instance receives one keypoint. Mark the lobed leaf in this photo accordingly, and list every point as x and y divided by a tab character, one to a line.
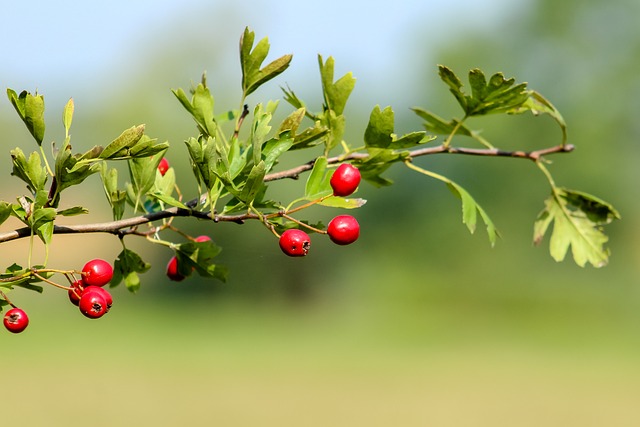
30	108
577	219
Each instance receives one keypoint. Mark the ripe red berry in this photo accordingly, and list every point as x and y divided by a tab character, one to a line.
77	288
97	272
16	320
163	166
343	230
294	242
92	305
172	270
203	238
102	291
345	180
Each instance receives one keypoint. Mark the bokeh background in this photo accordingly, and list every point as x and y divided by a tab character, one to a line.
418	323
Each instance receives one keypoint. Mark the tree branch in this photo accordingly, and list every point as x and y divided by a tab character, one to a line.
117	227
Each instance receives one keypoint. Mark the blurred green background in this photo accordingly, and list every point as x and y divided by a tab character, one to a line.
418	323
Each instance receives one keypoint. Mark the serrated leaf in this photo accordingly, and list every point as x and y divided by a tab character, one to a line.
577	219
292	122
292	98
251	60
380	127
498	95
336	93
378	161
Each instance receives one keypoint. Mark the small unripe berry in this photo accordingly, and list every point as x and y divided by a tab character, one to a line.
345	180
172	270
163	166
16	320
294	242
203	238
97	272
93	305
343	230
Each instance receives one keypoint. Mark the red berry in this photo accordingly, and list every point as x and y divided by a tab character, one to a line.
16	320
97	272
102	291
294	242
172	270
203	238
345	180
77	288
343	230
92	305
163	166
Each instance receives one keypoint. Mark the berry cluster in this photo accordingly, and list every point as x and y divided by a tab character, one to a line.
342	230
87	293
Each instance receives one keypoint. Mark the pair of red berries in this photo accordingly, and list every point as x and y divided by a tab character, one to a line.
342	230
88	293
173	271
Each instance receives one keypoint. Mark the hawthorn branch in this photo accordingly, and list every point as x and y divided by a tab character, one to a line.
294	173
129	225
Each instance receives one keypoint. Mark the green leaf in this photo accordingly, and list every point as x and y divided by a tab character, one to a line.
251	60
30	171
378	161
254	183
76	210
336	93
577	219
379	128
379	132
5	211
67	115
498	95
30	108
142	172
292	122
469	209
126	268
73	169
343	203
438	125
274	149
318	180
119	147
199	256
169	200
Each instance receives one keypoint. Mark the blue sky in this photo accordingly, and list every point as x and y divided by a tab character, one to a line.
44	40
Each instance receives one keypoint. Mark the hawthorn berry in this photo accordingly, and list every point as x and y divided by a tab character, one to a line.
343	230
102	291
16	320
77	288
203	238
97	272
294	242
93	305
172	270
345	180
163	166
